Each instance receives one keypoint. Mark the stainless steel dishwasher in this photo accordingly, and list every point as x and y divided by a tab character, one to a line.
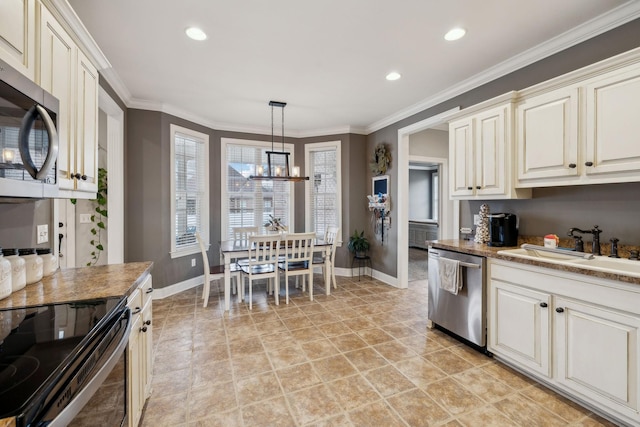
463	314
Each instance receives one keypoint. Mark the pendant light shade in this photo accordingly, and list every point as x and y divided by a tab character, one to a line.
279	172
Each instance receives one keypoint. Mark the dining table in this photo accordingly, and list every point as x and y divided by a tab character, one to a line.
231	250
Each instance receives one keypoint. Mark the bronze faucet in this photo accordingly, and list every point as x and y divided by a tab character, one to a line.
596	239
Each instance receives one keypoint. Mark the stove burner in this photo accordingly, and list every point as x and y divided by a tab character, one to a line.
14	374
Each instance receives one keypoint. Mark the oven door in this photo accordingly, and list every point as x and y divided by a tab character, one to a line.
100	373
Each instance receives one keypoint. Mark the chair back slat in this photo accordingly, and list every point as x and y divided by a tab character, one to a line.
264	249
241	236
299	246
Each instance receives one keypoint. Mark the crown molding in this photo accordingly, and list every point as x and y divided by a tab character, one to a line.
601	24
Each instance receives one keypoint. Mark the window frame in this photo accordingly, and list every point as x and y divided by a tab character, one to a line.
192	248
315	147
224	195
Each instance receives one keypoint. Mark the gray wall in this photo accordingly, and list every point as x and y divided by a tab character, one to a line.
18	223
430	143
616	41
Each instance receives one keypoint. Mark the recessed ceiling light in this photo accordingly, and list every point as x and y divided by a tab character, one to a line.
393	76
455	34
195	33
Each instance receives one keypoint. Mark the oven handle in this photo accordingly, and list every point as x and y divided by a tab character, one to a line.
75	406
462	264
52	151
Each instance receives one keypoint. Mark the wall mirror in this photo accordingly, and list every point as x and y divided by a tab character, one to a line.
380	184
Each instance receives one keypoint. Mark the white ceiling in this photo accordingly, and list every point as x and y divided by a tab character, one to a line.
326	59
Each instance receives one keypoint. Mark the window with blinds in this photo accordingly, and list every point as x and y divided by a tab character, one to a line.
323	196
248	203
190	189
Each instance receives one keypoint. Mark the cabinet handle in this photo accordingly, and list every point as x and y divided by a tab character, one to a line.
137	310
469	188
478	187
149	290
148	322
588	163
572	165
559	310
143	329
543	304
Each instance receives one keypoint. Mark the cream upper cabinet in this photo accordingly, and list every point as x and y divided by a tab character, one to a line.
69	76
480	155
582	132
547	136
17	35
613	124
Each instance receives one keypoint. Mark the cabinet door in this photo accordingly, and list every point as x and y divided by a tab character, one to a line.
489	148
87	126
57	65
597	353
547	136
613	127
461	157
134	373
519	325
17	35
146	348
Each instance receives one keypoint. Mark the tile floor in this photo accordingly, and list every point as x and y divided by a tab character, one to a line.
360	357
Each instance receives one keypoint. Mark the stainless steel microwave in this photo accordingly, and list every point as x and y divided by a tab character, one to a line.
28	137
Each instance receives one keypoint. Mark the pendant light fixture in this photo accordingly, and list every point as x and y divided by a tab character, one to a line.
278	173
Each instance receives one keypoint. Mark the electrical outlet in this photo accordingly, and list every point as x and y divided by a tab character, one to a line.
85	218
43	233
476	220
193	262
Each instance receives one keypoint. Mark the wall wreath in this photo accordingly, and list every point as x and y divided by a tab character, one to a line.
381	160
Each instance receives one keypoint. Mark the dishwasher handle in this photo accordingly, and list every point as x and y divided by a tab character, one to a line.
462	264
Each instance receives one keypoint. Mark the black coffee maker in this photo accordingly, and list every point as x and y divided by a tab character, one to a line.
503	229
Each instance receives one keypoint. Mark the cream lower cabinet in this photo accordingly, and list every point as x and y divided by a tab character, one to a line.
573	332
69	76
140	351
17	35
520	322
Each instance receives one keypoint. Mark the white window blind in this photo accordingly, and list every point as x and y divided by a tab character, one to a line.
249	203
190	188
323	195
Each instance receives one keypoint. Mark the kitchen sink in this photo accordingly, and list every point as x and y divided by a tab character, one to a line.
577	259
610	265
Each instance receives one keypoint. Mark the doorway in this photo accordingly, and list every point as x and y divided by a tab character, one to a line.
449	212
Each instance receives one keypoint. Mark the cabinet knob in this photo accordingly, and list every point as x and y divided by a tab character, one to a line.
559	310
75	175
149	290
469	188
588	163
543	304
478	187
137	310
83	177
148	322
143	329
572	165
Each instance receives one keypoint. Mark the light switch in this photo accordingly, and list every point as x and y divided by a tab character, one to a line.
85	218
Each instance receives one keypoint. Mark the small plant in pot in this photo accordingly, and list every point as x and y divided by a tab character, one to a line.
358	244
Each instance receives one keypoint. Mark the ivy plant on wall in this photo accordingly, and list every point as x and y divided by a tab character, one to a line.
98	217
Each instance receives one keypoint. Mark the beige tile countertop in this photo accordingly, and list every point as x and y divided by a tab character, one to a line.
75	284
470	247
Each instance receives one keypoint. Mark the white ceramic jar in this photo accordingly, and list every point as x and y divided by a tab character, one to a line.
5	277
49	261
18	269
33	264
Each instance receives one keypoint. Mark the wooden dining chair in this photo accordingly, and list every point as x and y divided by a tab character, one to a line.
330	236
241	235
215	272
298	260
261	264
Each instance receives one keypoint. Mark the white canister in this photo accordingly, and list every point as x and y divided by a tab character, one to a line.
33	264
49	261
5	277
18	269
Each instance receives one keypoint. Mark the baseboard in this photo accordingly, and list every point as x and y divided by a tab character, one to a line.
167	291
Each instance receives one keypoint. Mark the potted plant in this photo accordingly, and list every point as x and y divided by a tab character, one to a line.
358	244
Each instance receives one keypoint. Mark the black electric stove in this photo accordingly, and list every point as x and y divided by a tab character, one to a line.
49	353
